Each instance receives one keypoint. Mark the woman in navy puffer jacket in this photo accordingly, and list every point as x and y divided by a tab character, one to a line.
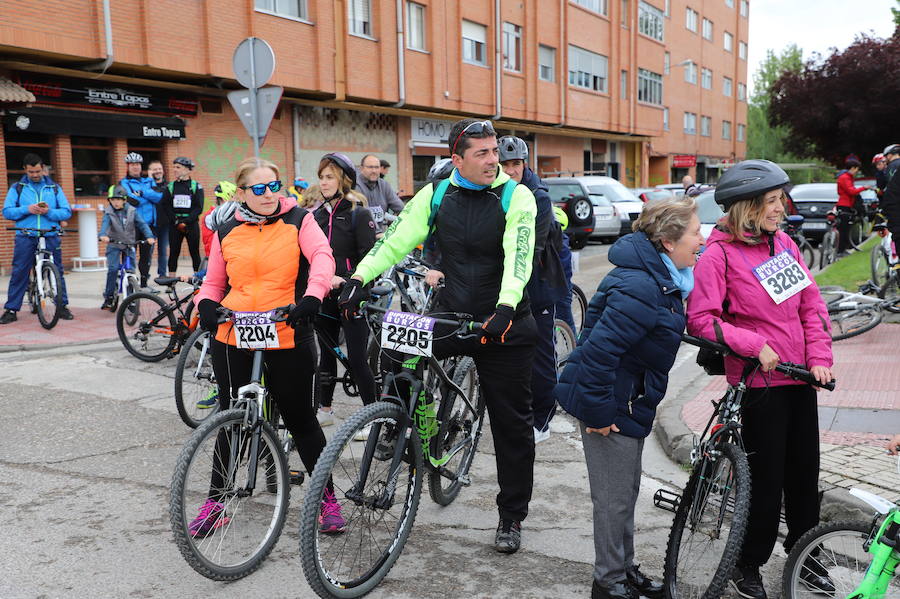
618	374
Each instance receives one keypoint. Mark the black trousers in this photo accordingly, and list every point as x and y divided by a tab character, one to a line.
192	234
781	436
844	216
504	373
356	334
543	372
289	378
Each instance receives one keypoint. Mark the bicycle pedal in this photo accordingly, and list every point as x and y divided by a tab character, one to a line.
297	477
667	500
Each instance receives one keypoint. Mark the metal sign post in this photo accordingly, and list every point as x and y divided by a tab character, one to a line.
253	63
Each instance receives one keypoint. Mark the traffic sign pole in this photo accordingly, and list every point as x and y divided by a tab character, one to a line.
253	76
253	101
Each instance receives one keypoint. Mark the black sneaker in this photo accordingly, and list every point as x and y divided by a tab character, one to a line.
645	585
815	577
65	314
107	304
748	583
618	590
8	317
509	536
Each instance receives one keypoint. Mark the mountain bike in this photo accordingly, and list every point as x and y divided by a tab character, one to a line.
196	391
857	558
44	291
127	281
379	485
151	329
829	244
860	228
564	341
852	314
236	459
711	513
883	259
794	228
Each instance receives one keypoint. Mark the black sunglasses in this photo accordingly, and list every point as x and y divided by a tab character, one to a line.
477	128
260	188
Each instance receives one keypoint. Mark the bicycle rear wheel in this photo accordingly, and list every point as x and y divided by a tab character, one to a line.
579	308
236	536
351	563
828	249
564	339
131	287
709	525
850	322
881	265
196	391
48	295
859	231
808	254
458	434
151	336
837	550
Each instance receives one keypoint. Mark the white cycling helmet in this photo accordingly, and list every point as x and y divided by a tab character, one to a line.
132	157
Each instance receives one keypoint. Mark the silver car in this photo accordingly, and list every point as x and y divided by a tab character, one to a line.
606	219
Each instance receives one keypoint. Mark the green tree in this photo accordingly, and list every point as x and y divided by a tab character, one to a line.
764	140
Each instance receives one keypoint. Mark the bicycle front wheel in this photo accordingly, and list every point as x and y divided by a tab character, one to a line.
828	249
349	543
859	232
231	538
579	308
48	295
454	446
145	328
196	391
564	340
709	525
880	264
850	322
836	550
808	254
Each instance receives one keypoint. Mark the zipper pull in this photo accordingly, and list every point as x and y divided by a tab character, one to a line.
629	407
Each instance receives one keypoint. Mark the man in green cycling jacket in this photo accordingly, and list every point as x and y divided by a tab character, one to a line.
485	251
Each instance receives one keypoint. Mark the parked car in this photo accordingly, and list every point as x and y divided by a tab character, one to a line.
813	201
607	223
626	204
708	211
677	189
573	199
651	194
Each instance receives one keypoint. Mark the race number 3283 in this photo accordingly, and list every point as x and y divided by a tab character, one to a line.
782	276
255	330
407	333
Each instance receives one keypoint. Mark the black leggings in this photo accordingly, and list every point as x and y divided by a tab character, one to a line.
193	240
289	378
845	215
356	334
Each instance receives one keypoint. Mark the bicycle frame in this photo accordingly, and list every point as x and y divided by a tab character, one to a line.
884	545
42	255
126	267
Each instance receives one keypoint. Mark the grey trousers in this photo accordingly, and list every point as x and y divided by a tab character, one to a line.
614	473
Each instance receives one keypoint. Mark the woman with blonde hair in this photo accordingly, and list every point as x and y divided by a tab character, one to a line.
343	216
618	374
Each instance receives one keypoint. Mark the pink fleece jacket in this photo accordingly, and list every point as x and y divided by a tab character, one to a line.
798	329
312	242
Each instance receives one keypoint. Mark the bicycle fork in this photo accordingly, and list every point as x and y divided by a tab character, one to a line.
885	557
253	418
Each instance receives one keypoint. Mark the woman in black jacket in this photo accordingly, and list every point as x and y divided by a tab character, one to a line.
348	224
618	374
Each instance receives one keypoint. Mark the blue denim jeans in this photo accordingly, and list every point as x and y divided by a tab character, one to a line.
114	256
23	260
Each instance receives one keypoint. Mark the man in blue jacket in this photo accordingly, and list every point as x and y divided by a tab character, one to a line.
142	194
39	203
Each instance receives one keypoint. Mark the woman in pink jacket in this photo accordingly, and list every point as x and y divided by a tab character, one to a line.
753	293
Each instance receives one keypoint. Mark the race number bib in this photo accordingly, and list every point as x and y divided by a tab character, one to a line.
377	213
782	277
407	333
181	201
255	330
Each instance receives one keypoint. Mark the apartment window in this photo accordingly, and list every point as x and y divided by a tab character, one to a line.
691	17
91	166
729	42
285	8
726	86
729	3
474	43
742	50
650	87
690	123
705	126
626	13
20	143
599	6
667	63
623	84
547	63
690	73
742	92
745	8
650	21
706	78
726	129
741	132
587	69
707	29
415	26
512	47
360	17
665	119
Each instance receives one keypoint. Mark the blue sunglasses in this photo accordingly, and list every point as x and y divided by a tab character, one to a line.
260	188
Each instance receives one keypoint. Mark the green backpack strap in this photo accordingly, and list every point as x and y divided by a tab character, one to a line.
193	187
436	197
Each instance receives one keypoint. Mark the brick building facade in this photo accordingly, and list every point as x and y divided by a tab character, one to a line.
588	83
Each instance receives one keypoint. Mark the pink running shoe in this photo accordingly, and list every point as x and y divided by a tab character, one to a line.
330	519
211	517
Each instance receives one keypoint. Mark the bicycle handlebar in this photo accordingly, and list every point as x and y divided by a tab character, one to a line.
463	321
795	371
36	230
281	312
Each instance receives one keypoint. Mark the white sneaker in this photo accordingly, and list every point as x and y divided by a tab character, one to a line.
363	433
325	417
541	435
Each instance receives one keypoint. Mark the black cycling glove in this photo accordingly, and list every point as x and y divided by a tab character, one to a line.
352	295
496	327
209	315
304	312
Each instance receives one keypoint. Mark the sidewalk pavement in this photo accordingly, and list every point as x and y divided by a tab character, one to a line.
91	324
855	420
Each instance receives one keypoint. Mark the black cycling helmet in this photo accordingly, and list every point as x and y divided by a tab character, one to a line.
891	149
852	161
440	170
512	148
184	161
747	180
345	164
117	191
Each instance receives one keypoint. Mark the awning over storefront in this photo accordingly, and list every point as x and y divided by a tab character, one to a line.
13	93
95	124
